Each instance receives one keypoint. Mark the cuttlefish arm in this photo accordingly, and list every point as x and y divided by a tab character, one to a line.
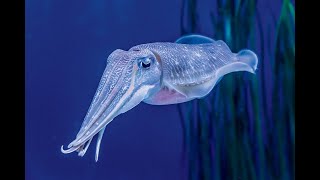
98	143
158	74
127	80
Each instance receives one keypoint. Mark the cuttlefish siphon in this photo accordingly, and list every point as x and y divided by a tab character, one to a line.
158	73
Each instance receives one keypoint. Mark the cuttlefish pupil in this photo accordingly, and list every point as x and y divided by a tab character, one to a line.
158	73
145	63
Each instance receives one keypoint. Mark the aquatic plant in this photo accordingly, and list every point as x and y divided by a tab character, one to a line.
245	128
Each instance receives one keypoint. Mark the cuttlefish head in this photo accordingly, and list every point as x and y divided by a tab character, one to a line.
129	78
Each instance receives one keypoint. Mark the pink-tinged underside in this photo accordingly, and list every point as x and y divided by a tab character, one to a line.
165	96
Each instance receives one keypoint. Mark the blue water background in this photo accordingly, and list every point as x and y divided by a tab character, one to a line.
67	44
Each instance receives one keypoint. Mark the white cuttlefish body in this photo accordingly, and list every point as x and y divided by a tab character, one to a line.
159	74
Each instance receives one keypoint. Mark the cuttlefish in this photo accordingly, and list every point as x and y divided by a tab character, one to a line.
158	73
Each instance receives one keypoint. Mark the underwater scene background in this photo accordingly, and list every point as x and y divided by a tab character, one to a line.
244	129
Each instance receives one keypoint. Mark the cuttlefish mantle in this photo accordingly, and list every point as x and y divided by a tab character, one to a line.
158	73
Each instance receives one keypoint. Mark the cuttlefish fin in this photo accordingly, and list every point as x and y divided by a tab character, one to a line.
246	60
194	39
196	90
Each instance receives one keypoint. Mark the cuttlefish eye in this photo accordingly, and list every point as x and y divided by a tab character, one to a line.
145	63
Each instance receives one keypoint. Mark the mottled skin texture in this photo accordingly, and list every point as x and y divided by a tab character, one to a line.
189	64
189	70
158	74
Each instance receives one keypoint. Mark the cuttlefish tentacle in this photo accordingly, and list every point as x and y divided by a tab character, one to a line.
157	74
103	89
98	143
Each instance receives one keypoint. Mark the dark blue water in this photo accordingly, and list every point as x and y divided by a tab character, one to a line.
67	43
